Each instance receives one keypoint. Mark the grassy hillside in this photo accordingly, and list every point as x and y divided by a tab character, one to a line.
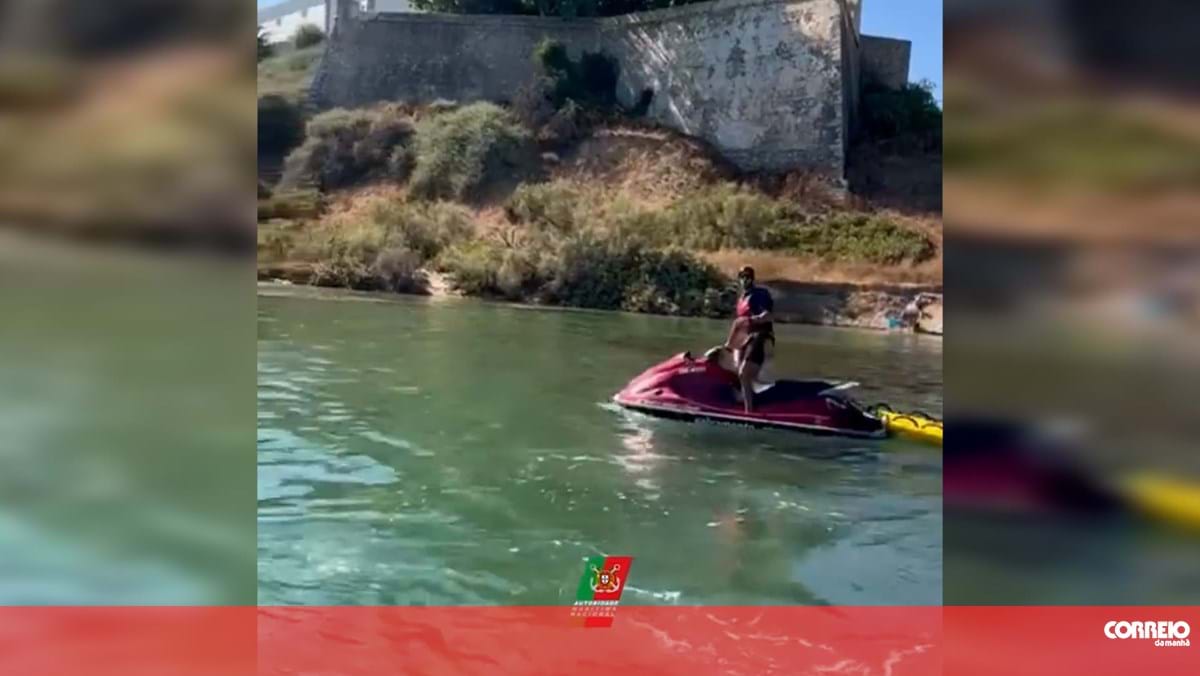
553	202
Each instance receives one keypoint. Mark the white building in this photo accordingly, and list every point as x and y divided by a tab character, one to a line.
280	22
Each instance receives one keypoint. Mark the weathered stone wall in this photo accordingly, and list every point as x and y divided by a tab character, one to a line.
758	79
885	61
423	57
851	68
771	84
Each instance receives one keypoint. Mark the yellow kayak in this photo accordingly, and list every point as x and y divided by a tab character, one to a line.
1167	498
912	426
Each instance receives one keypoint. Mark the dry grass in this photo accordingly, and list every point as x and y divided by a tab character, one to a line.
785	266
652	167
355	202
622	170
778	266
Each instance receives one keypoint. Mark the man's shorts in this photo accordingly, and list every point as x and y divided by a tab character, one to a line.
756	348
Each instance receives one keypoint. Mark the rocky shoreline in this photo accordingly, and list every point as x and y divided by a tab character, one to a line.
864	306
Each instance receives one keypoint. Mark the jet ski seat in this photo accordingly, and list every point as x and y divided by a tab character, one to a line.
727	359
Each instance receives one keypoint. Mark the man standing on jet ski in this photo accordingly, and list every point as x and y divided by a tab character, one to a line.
752	335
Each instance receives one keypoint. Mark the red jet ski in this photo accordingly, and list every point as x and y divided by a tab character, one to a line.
690	389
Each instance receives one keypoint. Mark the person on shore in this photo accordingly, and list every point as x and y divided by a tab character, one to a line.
752	336
914	312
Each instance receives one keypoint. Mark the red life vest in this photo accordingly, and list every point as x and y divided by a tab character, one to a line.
743	306
747	308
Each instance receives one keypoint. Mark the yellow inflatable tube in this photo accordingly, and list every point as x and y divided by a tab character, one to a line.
1167	498
912	426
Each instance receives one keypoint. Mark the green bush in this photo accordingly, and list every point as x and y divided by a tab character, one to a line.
276	240
590	269
399	269
611	273
552	58
427	228
565	126
544	207
674	283
903	120
474	266
726	217
308	35
348	147
424	228
457	152
292	204
385	246
533	105
861	237
280	125
591	81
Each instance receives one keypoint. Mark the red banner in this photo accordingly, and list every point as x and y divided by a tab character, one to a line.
659	640
1041	641
355	641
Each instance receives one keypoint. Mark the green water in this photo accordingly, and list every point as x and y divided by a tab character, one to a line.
413	451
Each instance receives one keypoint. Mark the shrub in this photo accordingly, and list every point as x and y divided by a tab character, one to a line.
564	126
544	207
551	57
673	282
533	104
459	151
399	269
383	245
280	125
474	266
423	228
302	61
591	269
861	237
428	228
904	120
591	81
346	147
308	35
376	243
275	241
593	272
726	217
294	204
611	273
